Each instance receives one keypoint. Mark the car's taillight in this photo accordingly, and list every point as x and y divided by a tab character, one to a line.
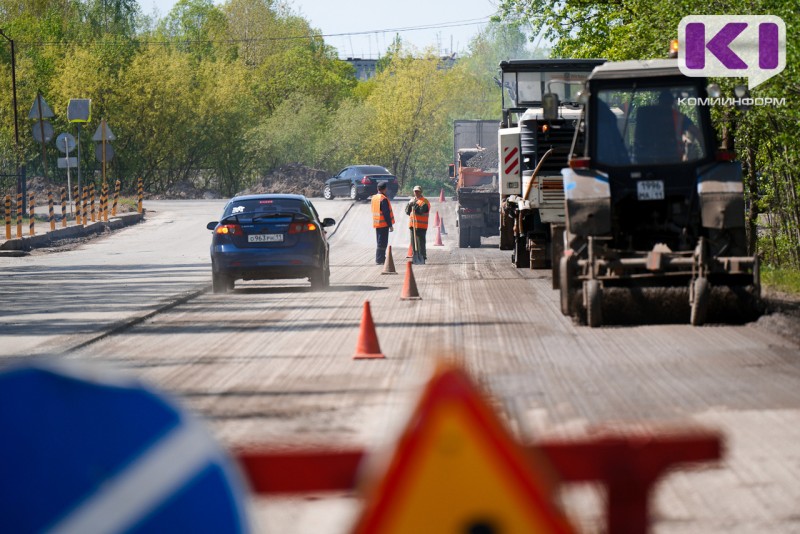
366	181
229	229
725	155
300	227
579	163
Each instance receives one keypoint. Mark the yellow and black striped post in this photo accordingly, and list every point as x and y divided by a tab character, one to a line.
85	200
52	211
116	198
63	207
105	202
77	199
31	204
8	216
140	193
19	215
91	201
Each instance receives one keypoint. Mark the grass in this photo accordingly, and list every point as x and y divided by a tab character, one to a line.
781	279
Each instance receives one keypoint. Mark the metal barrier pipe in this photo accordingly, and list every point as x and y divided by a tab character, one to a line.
8	216
91	201
52	211
31	219
19	215
63	207
77	199
85	200
104	202
140	193
116	198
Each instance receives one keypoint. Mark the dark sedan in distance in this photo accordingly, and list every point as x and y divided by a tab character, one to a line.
269	237
359	182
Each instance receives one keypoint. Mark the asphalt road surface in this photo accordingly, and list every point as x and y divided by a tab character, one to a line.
272	361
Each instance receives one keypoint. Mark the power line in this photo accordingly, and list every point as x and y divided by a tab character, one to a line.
468	22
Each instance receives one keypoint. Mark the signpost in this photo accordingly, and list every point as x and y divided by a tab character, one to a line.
104	152
79	111
65	143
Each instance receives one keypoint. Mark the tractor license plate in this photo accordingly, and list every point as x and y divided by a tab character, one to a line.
265	238
650	190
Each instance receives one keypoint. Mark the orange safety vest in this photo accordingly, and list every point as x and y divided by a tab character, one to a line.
377	217
417	220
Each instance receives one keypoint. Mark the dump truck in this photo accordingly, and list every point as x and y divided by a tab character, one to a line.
652	202
540	115
474	175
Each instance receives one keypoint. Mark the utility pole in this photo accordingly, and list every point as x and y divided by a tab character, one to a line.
21	185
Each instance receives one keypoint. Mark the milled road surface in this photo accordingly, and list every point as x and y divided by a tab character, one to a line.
272	361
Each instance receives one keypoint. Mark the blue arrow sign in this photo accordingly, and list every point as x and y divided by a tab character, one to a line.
80	454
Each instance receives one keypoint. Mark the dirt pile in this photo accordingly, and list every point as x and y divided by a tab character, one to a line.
485	160
292	178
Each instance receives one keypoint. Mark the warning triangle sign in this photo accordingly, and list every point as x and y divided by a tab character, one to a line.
456	469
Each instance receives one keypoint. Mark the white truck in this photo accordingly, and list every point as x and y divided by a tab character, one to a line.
540	114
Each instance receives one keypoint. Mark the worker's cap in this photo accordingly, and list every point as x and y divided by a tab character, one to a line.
381	185
417	188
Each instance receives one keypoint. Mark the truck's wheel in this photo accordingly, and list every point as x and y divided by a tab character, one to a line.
463	236
557	250
475	237
538	254
700	291
520	256
594	301
566	271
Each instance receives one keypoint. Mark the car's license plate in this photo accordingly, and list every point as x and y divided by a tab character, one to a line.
650	190
265	238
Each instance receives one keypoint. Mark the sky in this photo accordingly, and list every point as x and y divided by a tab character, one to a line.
366	28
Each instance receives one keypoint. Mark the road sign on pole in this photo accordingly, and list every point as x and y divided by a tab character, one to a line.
79	110
42	131
126	458
457	469
67	163
40	109
65	142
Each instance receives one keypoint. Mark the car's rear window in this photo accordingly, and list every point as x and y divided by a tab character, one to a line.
373	170
266	206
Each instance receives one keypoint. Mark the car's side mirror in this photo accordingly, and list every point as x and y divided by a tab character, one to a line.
327	221
212	225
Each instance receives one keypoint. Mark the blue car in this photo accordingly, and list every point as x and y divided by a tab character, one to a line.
269	237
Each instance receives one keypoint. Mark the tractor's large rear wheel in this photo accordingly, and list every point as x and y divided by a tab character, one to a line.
594	301
700	297
566	272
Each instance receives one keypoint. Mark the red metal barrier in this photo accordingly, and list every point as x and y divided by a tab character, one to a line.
629	467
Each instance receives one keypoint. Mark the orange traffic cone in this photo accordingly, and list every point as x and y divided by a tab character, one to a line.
410	253
436	220
410	291
441	195
438	241
388	265
368	346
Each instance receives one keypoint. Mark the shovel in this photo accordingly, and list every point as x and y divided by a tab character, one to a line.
417	258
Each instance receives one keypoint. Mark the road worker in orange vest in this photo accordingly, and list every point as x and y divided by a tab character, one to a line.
417	210
382	221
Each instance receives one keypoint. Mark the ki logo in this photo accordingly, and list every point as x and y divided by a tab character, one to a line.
752	46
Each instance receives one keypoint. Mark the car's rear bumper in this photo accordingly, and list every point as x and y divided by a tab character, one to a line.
255	265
